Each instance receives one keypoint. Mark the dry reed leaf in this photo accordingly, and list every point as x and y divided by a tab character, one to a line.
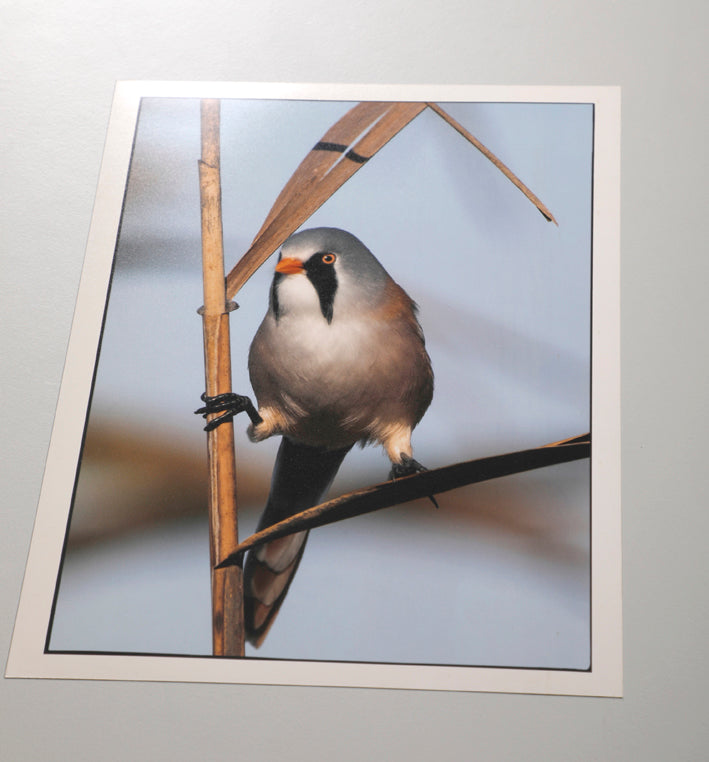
343	150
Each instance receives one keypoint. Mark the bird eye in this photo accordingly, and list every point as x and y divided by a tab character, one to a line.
328	259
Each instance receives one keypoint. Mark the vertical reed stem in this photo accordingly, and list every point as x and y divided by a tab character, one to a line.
227	586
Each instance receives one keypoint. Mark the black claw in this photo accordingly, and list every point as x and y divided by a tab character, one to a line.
408	467
229	404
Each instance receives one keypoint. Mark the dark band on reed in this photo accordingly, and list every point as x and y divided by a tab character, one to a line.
323	145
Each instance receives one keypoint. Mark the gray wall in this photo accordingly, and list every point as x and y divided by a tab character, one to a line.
59	65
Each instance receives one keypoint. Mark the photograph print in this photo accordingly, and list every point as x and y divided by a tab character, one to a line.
408	292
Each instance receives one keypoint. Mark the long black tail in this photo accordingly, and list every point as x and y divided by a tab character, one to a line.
301	476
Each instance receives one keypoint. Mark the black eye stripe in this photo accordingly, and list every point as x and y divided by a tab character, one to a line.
323	277
275	304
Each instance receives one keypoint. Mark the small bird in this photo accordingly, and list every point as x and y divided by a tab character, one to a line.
339	358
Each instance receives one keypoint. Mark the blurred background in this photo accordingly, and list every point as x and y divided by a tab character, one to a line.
500	574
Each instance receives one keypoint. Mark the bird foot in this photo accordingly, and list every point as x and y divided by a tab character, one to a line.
408	467
229	404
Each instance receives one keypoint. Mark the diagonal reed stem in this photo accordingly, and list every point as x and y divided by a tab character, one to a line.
227	587
435	481
488	154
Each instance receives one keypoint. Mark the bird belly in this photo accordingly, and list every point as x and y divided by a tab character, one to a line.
333	384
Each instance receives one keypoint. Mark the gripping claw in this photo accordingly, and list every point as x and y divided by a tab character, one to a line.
229	404
408	467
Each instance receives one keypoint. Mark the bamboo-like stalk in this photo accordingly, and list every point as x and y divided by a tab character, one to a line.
227	585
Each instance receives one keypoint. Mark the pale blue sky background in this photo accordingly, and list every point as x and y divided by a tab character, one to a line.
505	306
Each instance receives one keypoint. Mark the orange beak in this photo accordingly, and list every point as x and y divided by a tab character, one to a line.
289	266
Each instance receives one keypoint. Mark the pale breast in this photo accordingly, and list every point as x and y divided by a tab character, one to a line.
338	381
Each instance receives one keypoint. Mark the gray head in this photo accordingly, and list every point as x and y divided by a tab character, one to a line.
341	274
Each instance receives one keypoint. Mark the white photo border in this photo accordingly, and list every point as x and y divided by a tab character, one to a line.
28	657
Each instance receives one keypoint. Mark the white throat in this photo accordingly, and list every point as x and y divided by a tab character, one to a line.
297	296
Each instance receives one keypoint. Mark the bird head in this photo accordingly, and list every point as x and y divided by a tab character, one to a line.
329	271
